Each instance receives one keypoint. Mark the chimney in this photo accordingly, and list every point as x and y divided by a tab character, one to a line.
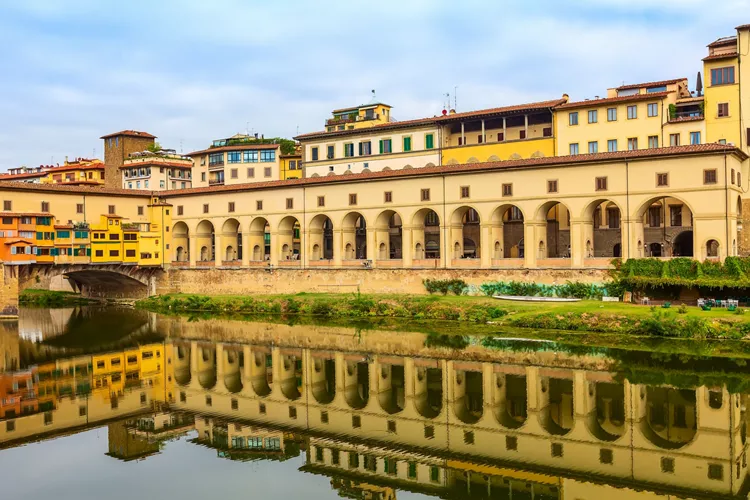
566	97
452	112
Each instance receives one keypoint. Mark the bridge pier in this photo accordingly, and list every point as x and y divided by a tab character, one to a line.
9	292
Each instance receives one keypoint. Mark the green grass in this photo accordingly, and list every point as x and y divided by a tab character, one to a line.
49	298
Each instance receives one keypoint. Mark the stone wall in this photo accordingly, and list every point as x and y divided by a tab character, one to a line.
259	281
9	291
743	236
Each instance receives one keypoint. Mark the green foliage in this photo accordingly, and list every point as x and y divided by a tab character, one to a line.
682	309
684	272
456	287
154	148
533	289
321	308
47	298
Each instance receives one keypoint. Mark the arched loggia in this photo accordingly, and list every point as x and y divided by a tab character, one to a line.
357	384
664	228
181	242
468	395
428	391
323	379
289	239
231	241
552	239
507	239
354	236
602	234
205	241
464	234
426	237
388	235
259	240
321	239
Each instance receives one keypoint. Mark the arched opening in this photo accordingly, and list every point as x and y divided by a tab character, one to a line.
232	241
232	368
323	379
670	417
321	238
553	239
357	384
607	420
428	391
468	393
510	400
557	414
507	232
388	233
207	367
426	235
465	233
603	236
181	357
260	239
181	242
205	239
290	376
661	222
289	239
391	387
261	372
712	248
354	236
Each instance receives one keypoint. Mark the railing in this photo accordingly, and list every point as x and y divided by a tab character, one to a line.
357	118
216	182
216	164
686	115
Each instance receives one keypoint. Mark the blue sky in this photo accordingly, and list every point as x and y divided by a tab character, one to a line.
193	71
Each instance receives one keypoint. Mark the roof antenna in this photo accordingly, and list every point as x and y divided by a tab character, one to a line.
455	93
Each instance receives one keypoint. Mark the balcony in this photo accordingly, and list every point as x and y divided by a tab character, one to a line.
215	165
351	119
216	182
686	115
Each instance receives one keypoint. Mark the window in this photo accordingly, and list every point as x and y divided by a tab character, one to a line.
653	141
267	155
267	172
230	207
7	205
411	471
352	199
45	206
632	112
259	205
716	472
79	208
500	137
611	114
250	172
140	210
205	208
654	217
429	141
667	465
593	116
233	173
434	474
314	153
632	143
10	426
388	196
425	195
234	156
330	151
709	176
662	179
468	437
695	137
407	144
386	146
262	408
675	215
215	159
356	421
557	450
674	139
129	253
429	431
289	203
348	150
521	135
180	210
392	426
722	76
574	148
203	177
249	156
552	186
606	456
511	443
321	201
601	183
365	148
652	109
113	237
114	253
573	118
507	189
293	413
593	147
324	417
111	210
99	253
612	145
723	110
547	132
464	191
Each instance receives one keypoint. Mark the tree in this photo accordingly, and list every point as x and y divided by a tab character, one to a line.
154	148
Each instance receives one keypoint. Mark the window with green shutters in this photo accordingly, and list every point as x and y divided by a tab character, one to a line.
81	235
429	141
63	234
407	144
39	236
385	146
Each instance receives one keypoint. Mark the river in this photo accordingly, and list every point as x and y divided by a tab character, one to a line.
126	404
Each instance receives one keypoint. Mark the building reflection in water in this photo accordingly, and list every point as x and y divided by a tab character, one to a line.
477	423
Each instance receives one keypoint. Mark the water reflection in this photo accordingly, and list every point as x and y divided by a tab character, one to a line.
387	412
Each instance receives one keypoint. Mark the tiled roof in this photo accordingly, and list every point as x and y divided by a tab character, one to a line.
743	27
19	240
382	126
528	163
532	106
686	119
30	175
727	40
609	100
368	105
716	57
68	188
240	147
129	133
25	214
650	84
145	163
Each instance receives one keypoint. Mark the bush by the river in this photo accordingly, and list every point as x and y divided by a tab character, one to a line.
531	289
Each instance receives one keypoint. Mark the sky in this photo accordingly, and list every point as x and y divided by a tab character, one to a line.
193	71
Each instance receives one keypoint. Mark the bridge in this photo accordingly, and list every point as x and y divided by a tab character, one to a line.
118	281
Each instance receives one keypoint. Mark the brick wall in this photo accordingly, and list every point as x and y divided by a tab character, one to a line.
743	236
9	291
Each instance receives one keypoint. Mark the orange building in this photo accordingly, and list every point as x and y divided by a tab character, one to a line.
19	237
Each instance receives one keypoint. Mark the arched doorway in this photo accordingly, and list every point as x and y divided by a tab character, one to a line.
231	239
603	238
507	232
553	239
465	237
683	245
259	240
321	238
388	235
205	239
289	239
181	242
354	236
426	237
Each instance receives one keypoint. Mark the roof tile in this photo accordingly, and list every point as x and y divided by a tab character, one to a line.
607	100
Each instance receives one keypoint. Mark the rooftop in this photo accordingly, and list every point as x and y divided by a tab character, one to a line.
716	57
354	108
727	40
651	84
608	100
129	133
241	147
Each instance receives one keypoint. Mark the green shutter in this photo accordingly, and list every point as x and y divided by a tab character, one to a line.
39	235
407	143
360	149
381	146
429	141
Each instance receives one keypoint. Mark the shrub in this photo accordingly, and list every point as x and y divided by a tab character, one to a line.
455	286
682	309
321	308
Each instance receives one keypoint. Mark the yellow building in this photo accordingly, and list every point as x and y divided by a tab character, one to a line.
291	166
106	240
357	117
80	172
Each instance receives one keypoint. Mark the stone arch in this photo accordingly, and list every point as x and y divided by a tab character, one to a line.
494	158
206	367
507	232
391	387
182	374
323	379
261	372
669	416
659	222
472	159
428	391
557	415
510	399
712	248
602	230
388	235
260	239
232	375
468	390
290	376
289	239
321	238
465	230
232	240
553	239
606	420
354	236
205	240
357	384
426	234
181	242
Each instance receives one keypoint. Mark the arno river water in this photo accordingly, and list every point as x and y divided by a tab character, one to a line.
123	404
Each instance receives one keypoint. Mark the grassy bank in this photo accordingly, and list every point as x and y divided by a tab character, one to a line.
584	316
47	298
